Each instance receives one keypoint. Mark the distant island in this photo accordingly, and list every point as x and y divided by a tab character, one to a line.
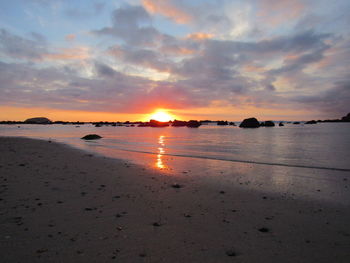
246	123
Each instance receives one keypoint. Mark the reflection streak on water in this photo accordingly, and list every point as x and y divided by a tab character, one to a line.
161	151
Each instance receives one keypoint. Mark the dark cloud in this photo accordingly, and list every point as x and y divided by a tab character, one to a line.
141	57
21	48
131	24
25	86
333	101
104	71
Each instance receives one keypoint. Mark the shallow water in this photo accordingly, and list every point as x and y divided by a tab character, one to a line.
323	145
308	161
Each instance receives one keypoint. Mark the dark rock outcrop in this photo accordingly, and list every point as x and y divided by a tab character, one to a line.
91	137
267	124
222	123
250	123
296	122
281	124
193	124
177	123
154	123
144	124
311	122
38	120
346	118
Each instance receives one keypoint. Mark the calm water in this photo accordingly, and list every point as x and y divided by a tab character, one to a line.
322	145
301	161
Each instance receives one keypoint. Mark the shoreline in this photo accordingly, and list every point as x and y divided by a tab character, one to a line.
61	204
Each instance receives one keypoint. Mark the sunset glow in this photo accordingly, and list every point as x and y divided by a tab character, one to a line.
121	60
162	116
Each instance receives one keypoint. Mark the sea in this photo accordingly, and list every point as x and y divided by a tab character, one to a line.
294	159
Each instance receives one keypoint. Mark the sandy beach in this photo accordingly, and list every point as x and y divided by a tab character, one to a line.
60	204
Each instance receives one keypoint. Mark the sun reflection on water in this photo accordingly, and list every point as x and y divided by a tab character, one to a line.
161	151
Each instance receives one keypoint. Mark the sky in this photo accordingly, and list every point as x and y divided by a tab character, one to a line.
200	59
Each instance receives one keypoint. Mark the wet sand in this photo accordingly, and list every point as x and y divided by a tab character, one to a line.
59	204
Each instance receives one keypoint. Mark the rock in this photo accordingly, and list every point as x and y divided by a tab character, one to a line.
250	123
222	123
264	230
177	123
232	123
144	124
38	120
176	185
193	124
281	124
231	253
311	122
296	122
154	123
268	124
91	137
346	118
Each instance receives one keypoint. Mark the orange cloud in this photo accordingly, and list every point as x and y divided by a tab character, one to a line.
275	12
68	54
175	50
70	37
200	36
253	68
166	8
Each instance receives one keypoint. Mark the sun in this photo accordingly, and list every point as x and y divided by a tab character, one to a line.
161	115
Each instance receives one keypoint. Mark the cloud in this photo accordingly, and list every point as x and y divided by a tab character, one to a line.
70	37
131	24
77	53
21	48
134	64
109	91
141	57
169	9
37	49
333	101
104	70
275	12
200	36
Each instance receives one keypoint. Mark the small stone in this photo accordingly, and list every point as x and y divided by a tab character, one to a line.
176	185
39	251
264	230
91	137
231	253
156	224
